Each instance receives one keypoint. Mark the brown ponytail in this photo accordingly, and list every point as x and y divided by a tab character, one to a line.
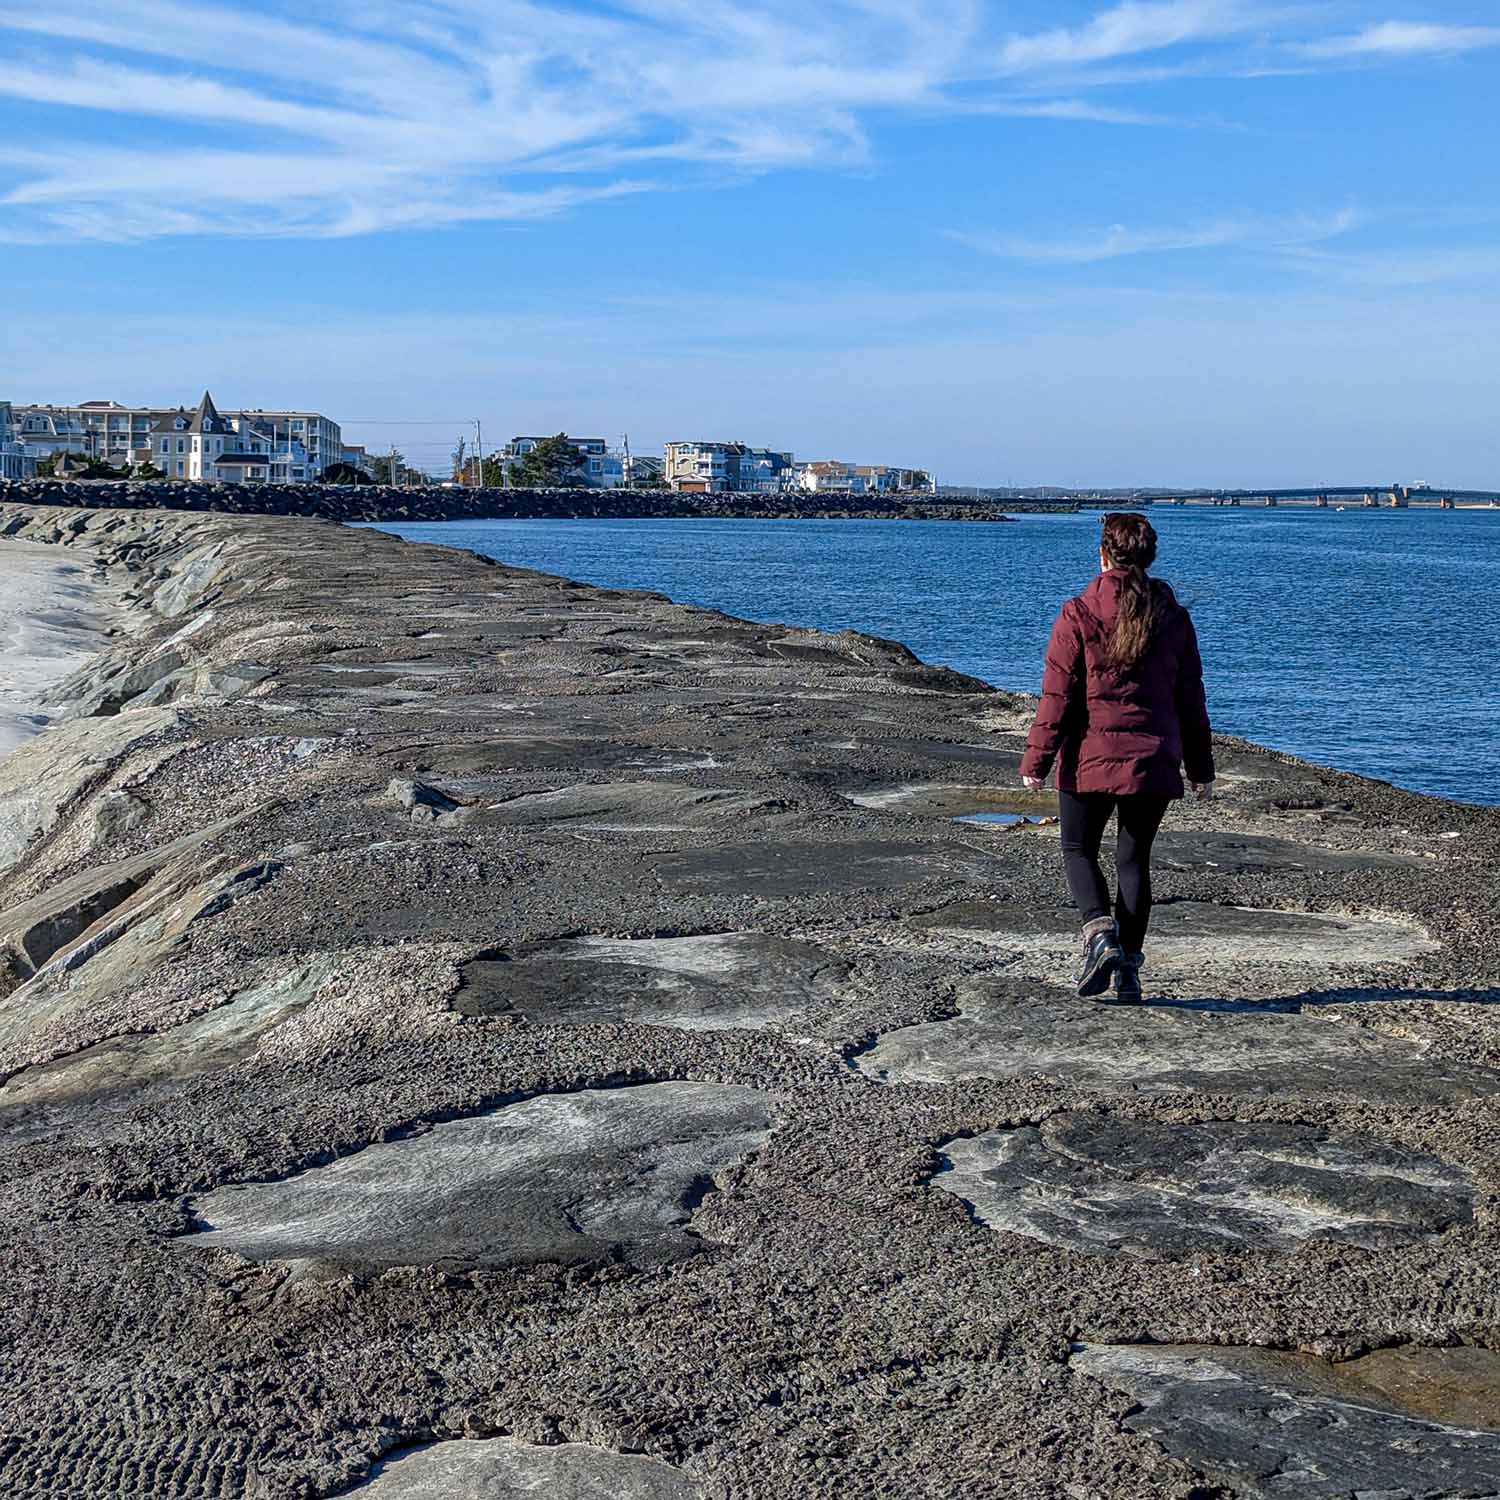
1129	544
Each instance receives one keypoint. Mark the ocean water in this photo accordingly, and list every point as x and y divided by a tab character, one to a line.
1363	639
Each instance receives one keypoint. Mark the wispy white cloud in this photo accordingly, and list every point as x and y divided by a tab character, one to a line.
1404	39
349	118
358	115
1125	30
1084	110
1391	270
1117	240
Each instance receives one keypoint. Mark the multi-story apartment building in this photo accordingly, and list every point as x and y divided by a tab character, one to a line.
830	476
13	461
103	430
715	468
320	437
299	444
602	467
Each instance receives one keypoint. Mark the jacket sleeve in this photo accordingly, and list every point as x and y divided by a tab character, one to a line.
1062	695
1192	713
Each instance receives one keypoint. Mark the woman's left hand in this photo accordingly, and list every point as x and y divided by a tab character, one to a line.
1035	783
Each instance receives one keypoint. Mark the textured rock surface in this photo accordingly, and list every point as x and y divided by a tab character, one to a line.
701	983
1274	1425
353	848
1151	1048
569	1178
499	1469
1158	1190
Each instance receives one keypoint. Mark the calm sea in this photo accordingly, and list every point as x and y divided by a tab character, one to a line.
1363	639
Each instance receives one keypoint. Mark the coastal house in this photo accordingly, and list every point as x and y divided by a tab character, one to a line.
715	468
300	444
832	476
13	461
643	469
603	468
205	447
357	456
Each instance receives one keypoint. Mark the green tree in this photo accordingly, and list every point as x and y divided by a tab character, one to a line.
46	465
147	471
547	465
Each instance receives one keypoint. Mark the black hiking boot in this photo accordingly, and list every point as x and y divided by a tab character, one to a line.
1126	985
1102	955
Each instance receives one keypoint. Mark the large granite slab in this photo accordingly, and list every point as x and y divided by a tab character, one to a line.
809	869
572	1178
999	1035
710	983
1159	1191
1412	1424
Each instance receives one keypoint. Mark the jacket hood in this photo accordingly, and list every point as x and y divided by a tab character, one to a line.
1102	598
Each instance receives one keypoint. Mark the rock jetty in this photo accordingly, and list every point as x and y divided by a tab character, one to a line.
464	1032
333	502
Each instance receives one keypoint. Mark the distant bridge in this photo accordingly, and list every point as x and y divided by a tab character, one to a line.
1369	496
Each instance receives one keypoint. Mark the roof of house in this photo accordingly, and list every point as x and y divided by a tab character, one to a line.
207	418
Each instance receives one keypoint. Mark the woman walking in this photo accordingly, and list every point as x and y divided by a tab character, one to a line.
1122	715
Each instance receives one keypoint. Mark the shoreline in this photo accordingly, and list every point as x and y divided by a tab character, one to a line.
565	998
54	619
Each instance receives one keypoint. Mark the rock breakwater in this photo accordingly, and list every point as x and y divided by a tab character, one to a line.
334	502
456	1030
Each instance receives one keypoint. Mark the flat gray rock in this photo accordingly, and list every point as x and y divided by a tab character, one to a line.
999	1035
623	805
1293	1427
500	1469
215	1039
1191	935
571	1178
713	983
1244	853
1159	1191
767	869
930	799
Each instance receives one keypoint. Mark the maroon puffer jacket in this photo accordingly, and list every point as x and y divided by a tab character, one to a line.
1113	730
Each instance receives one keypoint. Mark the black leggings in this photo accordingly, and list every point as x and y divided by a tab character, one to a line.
1084	816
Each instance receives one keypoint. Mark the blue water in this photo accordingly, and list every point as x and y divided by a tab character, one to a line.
1364	639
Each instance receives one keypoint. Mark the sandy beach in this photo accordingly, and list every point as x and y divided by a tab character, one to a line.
52	619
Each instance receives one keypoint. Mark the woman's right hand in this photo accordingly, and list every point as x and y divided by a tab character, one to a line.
1034	783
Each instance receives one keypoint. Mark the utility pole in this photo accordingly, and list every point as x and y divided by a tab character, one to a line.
394	480
627	465
478	454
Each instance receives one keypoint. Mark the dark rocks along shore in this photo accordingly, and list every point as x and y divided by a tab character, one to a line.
372	502
468	1033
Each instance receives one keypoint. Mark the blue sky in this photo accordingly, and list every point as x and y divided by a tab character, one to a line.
1167	241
